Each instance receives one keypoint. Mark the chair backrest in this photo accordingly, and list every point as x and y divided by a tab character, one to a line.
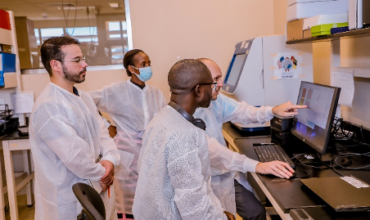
92	203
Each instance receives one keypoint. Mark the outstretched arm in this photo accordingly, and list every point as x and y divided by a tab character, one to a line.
287	109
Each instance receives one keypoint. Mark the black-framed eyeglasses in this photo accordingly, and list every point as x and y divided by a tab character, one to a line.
201	84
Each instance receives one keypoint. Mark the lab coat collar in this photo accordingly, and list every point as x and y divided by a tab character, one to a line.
136	86
75	90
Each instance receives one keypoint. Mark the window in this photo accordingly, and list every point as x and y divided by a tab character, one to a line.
100	29
37	35
51	32
116	30
117	54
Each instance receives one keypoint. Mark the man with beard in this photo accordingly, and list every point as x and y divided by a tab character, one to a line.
174	171
69	140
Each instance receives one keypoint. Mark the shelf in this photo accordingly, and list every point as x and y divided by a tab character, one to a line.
21	179
6	37
357	72
10	80
363	31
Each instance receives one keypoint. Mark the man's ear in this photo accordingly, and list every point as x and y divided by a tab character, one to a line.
198	91
56	65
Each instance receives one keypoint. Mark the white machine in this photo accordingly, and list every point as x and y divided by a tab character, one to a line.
267	71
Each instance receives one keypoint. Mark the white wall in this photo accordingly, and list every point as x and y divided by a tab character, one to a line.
169	30
280	17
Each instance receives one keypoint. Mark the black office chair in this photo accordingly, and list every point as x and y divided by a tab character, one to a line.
92	204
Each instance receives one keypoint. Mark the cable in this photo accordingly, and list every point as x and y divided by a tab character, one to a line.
340	132
302	166
66	18
74	20
335	164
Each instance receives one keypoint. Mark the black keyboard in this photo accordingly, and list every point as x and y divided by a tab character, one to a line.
267	153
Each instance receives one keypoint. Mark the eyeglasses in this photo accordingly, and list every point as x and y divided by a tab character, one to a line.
201	84
76	60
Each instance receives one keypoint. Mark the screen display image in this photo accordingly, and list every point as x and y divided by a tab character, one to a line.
235	69
313	124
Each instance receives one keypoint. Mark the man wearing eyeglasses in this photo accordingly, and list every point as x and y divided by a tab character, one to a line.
69	140
225	164
174	171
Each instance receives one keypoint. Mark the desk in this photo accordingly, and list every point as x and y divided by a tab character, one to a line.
10	143
284	195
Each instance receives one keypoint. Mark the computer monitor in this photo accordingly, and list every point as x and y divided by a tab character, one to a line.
234	71
313	124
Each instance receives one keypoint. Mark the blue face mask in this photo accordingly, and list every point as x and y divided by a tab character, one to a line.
145	73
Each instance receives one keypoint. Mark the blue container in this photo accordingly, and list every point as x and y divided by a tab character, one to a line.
7	62
339	30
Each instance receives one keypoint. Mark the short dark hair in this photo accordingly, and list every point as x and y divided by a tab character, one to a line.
51	50
187	73
128	59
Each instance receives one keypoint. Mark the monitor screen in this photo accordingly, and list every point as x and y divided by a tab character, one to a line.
313	124
235	69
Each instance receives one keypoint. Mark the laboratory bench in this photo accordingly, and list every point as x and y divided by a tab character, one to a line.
15	181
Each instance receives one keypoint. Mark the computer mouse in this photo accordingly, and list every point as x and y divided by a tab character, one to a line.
294	175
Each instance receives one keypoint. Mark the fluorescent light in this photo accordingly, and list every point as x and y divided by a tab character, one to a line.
114	5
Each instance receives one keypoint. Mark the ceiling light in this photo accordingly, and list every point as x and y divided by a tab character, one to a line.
114	5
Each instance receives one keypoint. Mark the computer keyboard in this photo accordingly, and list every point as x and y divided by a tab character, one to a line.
267	153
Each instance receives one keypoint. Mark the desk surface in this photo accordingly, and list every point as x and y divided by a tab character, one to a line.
328	214
292	194
288	194
13	136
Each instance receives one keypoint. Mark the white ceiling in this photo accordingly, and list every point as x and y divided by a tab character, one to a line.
52	10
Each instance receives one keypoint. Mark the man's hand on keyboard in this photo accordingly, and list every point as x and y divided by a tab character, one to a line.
277	168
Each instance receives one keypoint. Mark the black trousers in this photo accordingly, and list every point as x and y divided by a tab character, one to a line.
247	205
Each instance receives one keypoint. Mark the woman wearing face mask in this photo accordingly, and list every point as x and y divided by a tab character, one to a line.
131	105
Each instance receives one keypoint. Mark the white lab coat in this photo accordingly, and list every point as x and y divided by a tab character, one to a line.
131	109
174	172
67	135
226	164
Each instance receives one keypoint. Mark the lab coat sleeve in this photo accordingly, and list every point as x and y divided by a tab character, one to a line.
74	152
184	167
102	99
223	160
108	148
112	122
106	123
242	112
